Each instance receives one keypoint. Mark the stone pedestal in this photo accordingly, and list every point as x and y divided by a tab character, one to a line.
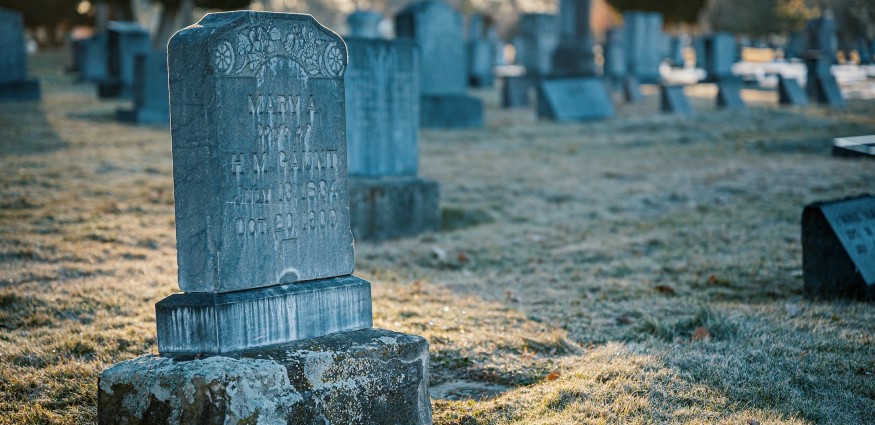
371	376
451	111
393	206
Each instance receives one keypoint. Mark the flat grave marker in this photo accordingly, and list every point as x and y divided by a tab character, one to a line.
574	99
791	93
674	100
729	94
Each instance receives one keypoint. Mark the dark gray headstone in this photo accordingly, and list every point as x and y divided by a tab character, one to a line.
821	85
151	98
674	101
615	56
574	56
538	37
93	67
77	53
790	92
515	92
632	89
642	41
126	40
364	24
838	248
575	99
259	152
821	40
729	94
382	107
437	29
480	54
720	51
14	84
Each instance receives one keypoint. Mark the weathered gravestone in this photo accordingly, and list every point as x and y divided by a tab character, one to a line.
642	38
125	41
437	28
364	24
838	248
790	92
480	54
538	37
729	94
574	99
93	67
271	328
515	92
674	100
574	56
386	198
615	57
14	84
151	102
720	52
861	146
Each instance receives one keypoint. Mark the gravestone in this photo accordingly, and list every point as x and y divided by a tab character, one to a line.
632	89
729	94
77	53
497	46
14	84
574	56
615	57
271	326
642	39
437	28
838	242
151	98
364	24
125	41
515	92
480	54
93	67
674	100
864	52
790	92
538	37
720	53
676	51
386	198
821	84
862	146
574	99
698	45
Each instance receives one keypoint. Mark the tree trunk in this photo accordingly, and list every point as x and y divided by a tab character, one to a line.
166	27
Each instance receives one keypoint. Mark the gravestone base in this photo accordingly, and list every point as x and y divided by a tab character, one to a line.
210	323
20	90
451	111
143	116
393	206
370	376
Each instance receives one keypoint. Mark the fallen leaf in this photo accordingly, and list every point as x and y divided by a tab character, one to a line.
665	289
701	334
553	376
463	258
712	279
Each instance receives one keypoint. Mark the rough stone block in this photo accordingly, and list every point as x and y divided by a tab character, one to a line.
574	99
370	376
451	111
674	101
392	207
729	94
791	93
220	323
515	92
838	243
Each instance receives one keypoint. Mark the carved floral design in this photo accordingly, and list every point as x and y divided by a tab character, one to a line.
314	51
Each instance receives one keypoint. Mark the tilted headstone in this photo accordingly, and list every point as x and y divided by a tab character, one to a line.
264	245
151	98
615	57
574	56
14	84
632	89
515	92
126	40
821	84
364	24
386	198
480	54
575	99
674	100
729	94
720	51
790	92
838	248
642	38
862	146
437	28
538	37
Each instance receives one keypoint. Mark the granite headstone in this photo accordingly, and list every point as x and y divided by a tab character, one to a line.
632	89
14	84
93	67
437	28
821	84
673	100
676	51
790	92
480	54
515	92
729	94
574	56
615	57
642	38
538	37
574	99
126	40
151	98
720	53
838	242
364	24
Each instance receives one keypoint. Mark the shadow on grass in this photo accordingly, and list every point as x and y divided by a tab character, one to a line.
24	130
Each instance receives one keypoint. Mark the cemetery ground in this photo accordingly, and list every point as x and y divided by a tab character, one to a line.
642	269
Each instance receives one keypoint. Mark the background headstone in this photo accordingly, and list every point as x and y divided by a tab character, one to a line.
729	94
790	92
615	57
151	98
14	84
674	101
93	67
364	24
515	92
538	37
574	56
676	51
720	54
838	242
632	89
480	53
574	99
125	41
642	44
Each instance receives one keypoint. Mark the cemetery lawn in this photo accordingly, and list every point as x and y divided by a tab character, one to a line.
642	269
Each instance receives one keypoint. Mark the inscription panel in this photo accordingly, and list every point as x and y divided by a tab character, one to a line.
853	221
